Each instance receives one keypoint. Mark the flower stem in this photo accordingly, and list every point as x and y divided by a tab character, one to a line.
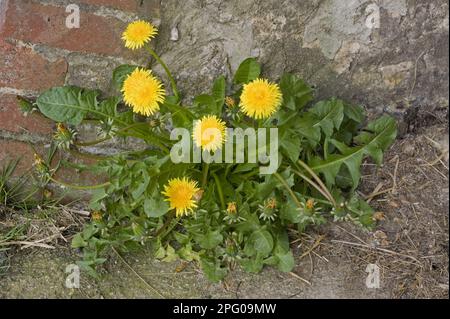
219	190
318	180
169	75
286	185
320	190
166	224
79	187
205	175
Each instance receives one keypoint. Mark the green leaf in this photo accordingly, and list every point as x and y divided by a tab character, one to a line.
296	94
285	261
354	112
24	105
109	106
67	104
212	269
78	241
97	196
155	207
171	255
249	70
262	241
206	104
120	74
307	126
291	146
210	240
289	211
254	264
378	136
359	209
330	115
218	91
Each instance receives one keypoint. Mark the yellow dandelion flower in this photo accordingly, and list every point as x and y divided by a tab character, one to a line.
231	208
143	92
271	203
96	216
229	102
180	194
209	133
138	33
260	98
310	203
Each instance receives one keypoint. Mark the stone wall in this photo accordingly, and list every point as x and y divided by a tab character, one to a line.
390	56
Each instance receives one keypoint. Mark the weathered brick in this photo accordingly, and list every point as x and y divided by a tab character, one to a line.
125	5
46	24
12	119
21	68
12	150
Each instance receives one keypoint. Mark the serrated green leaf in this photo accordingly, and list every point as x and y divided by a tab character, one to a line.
285	261
171	255
296	94
373	142
330	115
307	126
289	212
359	209
205	104
254	264
218	91
354	112
67	104
248	70
155	207
291	146
109	106
78	241
212	269
262	241
210	240
377	137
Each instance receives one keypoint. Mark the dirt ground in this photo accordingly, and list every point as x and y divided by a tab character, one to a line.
410	246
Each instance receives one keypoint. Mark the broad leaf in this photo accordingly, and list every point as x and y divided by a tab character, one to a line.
248	71
206	104
378	136
67	104
296	94
212	269
218	91
330	115
155	207
285	261
262	242
210	240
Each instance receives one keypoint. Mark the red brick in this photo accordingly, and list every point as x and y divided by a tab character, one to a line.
12	119
12	150
125	5
32	22
21	68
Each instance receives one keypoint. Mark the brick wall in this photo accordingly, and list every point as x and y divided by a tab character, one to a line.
38	51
